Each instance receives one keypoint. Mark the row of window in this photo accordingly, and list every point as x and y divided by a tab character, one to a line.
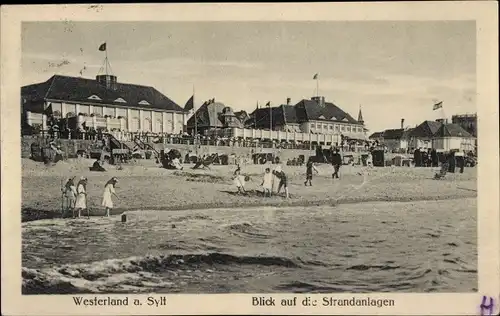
120	100
338	128
98	111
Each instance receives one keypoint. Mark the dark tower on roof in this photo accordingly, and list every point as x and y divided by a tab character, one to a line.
360	117
106	79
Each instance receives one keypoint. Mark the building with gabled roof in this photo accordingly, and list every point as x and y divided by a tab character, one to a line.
309	116
102	103
213	115
453	136
421	136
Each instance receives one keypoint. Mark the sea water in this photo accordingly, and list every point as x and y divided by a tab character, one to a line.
425	246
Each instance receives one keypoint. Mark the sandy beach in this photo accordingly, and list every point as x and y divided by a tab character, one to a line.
145	185
188	232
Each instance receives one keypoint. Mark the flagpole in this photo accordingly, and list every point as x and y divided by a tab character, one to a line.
317	86
195	116
106	54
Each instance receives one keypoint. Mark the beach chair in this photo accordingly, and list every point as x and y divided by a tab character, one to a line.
442	172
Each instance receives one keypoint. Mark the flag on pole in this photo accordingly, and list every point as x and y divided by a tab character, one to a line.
48	111
268	104
437	106
315	77
189	104
102	48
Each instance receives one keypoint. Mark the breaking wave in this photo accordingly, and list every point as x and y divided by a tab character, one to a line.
135	274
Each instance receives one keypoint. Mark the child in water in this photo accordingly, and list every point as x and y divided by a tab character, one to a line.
267	183
309	171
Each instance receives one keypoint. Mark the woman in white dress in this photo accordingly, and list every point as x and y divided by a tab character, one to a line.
267	182
109	190
81	196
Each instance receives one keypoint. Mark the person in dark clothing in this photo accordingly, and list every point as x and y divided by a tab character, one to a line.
309	172
97	167
336	162
283	181
434	158
460	159
417	158
451	162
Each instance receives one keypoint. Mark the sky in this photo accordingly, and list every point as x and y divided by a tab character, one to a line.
392	70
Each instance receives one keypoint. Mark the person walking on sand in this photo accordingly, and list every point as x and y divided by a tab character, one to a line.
280	174
267	183
336	162
69	195
309	171
109	190
81	196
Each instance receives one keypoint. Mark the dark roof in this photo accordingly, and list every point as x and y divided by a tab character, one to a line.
290	114
376	135
360	116
426	129
74	89
210	115
242	115
452	130
262	117
393	133
311	110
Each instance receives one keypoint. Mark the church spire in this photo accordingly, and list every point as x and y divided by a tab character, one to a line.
360	116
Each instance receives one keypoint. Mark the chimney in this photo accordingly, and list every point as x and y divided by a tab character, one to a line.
402	123
319	100
288	100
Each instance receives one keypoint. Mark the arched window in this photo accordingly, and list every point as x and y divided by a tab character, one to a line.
148	126
159	126
134	124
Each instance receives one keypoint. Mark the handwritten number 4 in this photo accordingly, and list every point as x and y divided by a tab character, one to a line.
487	308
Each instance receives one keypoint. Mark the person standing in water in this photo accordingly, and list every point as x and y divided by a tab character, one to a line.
69	196
309	171
109	190
267	183
81	196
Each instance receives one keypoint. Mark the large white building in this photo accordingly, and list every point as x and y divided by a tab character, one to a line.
102	103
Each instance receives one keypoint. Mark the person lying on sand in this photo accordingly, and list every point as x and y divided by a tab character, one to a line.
267	183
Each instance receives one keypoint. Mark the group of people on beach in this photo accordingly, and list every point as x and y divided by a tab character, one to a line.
269	176
267	182
75	196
